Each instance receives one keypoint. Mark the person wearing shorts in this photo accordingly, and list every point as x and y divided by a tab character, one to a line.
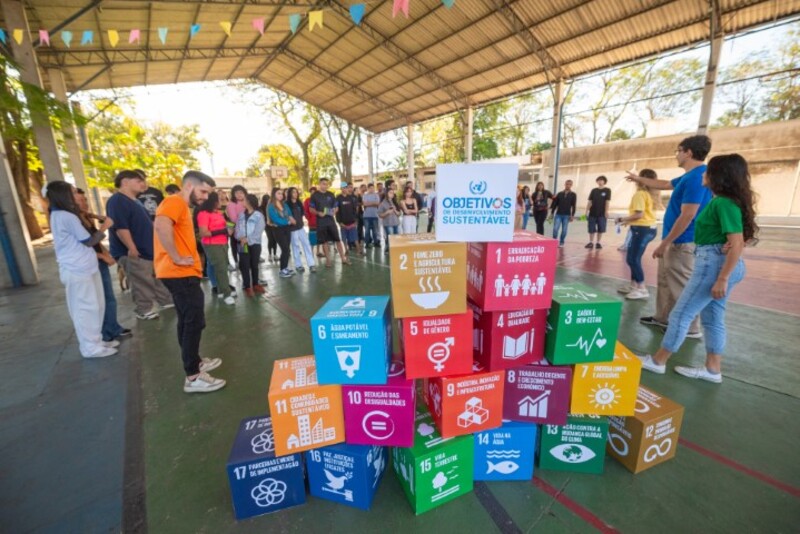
323	205
347	208
597	212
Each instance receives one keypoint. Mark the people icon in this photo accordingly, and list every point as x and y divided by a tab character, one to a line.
526	285
506	289
499	285
540	282
515	285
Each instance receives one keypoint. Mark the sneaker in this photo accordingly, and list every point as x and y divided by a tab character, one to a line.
229	300
147	316
650	365
369	245
561	245
638	294
126	332
598	245
203	383
627	288
257	289
231	269
248	292
700	373
652	321
622	248
105	352
111	344
209	364
167	306
220	295
301	269
694	335
286	273
589	245
261	260
312	269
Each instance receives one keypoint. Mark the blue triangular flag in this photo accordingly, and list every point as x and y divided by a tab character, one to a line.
357	12
162	35
88	37
194	29
2	36
294	22
448	3
66	36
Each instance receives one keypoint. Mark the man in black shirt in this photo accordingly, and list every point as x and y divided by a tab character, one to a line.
150	198
323	204
597	211
563	212
347	216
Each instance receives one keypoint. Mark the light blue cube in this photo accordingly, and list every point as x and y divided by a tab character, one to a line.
505	453
353	340
347	474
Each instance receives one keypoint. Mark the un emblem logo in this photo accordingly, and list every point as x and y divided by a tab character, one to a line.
477	187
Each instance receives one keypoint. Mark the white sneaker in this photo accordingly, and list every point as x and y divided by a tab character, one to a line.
650	365
229	300
147	316
111	344
209	364
220	295
107	351
167	306
627	288
203	383
700	373
638	294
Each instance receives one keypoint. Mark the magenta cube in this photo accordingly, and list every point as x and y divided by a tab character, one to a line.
380	414
538	393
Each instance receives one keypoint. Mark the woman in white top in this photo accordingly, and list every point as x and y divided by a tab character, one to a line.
78	269
410	211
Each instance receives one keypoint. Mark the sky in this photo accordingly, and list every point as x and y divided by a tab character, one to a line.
235	130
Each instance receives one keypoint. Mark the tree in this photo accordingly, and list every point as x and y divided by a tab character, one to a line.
342	137
664	80
276	155
784	102
741	93
520	115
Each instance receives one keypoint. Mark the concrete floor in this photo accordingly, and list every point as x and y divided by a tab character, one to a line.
93	446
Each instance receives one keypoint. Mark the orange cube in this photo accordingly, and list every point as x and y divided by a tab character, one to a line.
465	404
607	388
305	415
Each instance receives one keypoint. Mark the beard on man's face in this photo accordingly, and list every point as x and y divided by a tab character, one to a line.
195	201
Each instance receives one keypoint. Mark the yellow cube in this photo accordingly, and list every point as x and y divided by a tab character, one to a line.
607	388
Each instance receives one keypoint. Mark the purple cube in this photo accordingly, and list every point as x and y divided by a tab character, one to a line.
537	393
380	414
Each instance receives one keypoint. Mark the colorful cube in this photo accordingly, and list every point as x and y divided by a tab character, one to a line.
578	446
582	325
650	436
436	346
501	340
380	415
465	404
353	340
607	388
261	483
436	469
505	453
428	277
347	474
537	393
305	415
512	276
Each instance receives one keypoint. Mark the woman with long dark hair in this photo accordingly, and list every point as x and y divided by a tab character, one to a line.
214	232
233	209
272	242
249	229
541	202
78	269
721	231
410	211
299	236
389	212
282	219
526	206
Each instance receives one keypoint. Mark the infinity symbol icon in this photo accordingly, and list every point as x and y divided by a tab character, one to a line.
657	450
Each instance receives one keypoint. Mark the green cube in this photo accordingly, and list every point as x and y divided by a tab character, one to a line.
582	325
435	470
578	446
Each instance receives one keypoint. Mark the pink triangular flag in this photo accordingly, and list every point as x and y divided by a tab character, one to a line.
44	37
258	25
134	37
400	5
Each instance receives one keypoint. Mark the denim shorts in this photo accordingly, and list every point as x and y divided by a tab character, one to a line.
597	225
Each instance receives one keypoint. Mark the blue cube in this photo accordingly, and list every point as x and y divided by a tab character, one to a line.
505	453
347	474
260	482
352	340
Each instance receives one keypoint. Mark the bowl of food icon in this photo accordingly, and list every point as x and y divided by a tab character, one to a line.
430	301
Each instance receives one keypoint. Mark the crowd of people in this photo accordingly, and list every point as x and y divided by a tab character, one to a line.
166	246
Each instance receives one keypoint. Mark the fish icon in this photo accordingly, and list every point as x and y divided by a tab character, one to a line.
505	468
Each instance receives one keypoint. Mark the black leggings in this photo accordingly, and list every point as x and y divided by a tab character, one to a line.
248	265
283	235
272	243
539	216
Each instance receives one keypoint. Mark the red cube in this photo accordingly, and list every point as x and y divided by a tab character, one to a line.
465	404
512	276
436	346
505	339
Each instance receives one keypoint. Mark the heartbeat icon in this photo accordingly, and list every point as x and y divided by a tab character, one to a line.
586	346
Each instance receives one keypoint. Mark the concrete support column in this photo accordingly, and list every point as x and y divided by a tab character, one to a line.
555	138
24	55
370	164
410	153
711	72
18	265
468	141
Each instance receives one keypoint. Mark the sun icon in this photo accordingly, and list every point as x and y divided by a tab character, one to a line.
604	397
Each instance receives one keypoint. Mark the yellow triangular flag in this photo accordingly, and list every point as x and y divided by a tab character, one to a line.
314	19
113	38
226	27
18	36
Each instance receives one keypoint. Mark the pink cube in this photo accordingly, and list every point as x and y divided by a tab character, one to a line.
512	276
381	414
506	339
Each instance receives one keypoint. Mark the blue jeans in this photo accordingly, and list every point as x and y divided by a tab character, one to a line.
640	238
111	328
560	222
525	216
388	230
371	231
696	298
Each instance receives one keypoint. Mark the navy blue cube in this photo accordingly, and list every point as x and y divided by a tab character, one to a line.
347	474
505	453
260	482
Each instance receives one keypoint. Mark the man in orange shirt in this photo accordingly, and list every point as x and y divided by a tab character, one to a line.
177	265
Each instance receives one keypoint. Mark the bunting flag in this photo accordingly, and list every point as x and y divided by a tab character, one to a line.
258	25
400	5
226	27
44	37
294	22
2	36
87	37
134	37
314	19
357	13
66	36
113	38
162	34
448	3
193	30
18	35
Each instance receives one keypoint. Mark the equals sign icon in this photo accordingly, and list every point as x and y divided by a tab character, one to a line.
378	425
